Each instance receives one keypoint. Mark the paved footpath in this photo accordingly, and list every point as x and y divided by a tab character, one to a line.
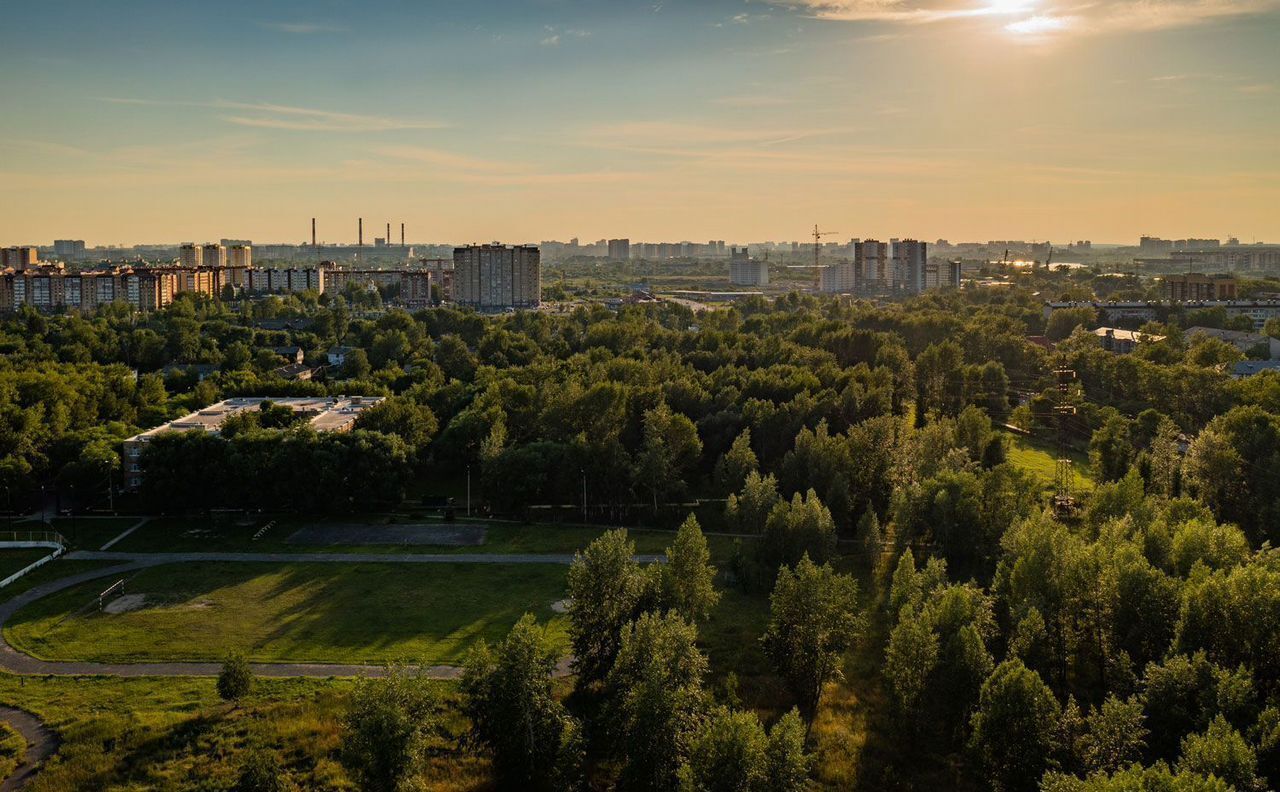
15	662
41	743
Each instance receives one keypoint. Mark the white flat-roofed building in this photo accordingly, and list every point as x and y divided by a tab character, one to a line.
323	413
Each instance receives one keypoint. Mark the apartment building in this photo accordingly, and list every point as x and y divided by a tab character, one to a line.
497	277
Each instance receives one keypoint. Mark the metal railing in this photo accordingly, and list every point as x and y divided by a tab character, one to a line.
32	537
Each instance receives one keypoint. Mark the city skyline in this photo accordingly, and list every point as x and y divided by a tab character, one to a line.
654	121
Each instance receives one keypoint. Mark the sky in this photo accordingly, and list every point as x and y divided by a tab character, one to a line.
521	121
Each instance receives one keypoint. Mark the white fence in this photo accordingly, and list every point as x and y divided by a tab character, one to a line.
16	540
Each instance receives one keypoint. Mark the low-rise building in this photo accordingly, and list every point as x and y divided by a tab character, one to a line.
1245	342
1121	341
323	413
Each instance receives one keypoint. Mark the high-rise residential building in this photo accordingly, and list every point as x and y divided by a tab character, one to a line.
19	258
214	255
746	271
840	278
909	259
619	249
497	277
240	256
871	265
68	248
189	255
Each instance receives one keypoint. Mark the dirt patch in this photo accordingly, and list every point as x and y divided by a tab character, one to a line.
125	603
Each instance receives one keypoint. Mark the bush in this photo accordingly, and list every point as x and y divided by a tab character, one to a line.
236	679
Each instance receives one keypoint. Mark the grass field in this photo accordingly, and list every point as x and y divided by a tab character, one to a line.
1040	458
370	613
200	534
121	735
92	533
13	560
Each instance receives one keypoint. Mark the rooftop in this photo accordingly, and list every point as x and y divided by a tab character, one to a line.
326	413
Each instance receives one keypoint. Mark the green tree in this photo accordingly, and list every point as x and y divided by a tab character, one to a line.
1116	735
1111	449
813	622
736	464
786	762
386	730
514	714
803	526
688	576
748	511
910	658
1222	752
607	589
1013	727
235	680
654	699
726	755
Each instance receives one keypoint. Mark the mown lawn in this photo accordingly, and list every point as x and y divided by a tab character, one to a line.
1040	459
200	534
14	560
358	613
91	533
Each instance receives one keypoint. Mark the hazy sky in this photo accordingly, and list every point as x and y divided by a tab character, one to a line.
664	120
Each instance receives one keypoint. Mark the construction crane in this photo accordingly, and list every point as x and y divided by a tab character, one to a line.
817	252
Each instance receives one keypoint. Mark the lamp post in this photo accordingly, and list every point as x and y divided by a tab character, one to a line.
584	493
468	490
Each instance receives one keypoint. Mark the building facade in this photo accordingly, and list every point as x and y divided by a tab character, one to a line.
497	277
872	269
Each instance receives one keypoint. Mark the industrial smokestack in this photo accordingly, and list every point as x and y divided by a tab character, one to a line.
313	232
402	235
388	232
360	231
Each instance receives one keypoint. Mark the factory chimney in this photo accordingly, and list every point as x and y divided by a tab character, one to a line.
388	233
360	231
313	232
402	235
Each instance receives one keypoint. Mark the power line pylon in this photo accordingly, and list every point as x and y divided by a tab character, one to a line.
1064	503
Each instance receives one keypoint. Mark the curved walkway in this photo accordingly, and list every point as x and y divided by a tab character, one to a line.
15	662
41	743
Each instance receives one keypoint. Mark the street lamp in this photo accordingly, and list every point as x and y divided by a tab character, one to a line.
468	490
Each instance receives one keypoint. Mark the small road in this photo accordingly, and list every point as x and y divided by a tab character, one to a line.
15	662
41	743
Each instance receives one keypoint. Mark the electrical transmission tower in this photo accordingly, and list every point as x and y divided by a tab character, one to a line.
1064	503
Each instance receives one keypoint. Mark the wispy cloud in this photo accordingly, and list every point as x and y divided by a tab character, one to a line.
448	159
555	35
277	116
301	28
1038	18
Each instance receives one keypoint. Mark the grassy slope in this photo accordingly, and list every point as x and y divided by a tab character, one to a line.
131	734
303	612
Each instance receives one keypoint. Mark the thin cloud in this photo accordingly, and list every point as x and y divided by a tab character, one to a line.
277	116
448	159
301	28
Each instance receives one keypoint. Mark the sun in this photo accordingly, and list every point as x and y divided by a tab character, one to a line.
1006	7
